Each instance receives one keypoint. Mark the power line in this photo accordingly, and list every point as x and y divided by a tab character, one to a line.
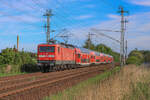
102	34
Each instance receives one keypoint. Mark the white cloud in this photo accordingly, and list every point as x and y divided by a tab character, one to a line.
84	17
140	2
113	16
142	42
138	31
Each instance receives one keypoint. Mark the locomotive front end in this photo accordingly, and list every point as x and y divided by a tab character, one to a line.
46	56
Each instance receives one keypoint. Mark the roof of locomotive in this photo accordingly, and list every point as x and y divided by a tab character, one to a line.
61	44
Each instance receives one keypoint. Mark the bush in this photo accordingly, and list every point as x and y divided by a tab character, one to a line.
2	68
8	55
18	60
134	60
1	60
137	54
147	58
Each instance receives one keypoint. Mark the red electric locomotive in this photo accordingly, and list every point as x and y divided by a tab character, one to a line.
55	55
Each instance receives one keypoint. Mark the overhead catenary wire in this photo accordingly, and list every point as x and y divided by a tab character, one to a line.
61	18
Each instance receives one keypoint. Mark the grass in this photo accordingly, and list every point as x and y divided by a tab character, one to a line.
130	83
14	71
72	93
140	90
10	74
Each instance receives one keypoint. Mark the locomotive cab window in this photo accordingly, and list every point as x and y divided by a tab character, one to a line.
47	49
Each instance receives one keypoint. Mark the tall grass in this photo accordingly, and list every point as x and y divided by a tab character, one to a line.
75	91
131	83
15	70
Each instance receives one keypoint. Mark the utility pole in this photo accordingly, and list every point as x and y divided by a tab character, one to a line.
89	39
122	49
48	14
126	51
17	42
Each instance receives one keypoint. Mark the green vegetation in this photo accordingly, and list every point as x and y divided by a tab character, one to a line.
76	90
129	83
140	91
10	74
134	60
13	62
138	57
146	55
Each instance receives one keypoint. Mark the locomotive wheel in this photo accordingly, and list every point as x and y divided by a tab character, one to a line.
68	67
56	68
73	66
43	69
59	68
65	67
48	69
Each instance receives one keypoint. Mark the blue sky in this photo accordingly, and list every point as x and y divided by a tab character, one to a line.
25	18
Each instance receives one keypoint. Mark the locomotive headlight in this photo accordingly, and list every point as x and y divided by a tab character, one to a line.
41	55
51	55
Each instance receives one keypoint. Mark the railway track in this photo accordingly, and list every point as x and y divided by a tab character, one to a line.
43	84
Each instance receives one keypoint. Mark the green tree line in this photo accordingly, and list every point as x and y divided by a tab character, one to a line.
138	57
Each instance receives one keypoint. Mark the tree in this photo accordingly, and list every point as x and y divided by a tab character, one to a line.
8	55
135	57
103	48
133	60
147	58
17	60
1	60
137	53
146	54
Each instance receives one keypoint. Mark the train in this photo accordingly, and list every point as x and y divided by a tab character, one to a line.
65	56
